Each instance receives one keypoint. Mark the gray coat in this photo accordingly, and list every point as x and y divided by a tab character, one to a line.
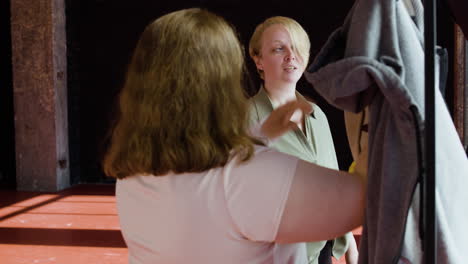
376	59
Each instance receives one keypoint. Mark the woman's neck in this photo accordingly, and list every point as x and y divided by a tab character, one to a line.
280	94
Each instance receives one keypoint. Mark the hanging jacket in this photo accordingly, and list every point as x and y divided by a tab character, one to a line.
376	60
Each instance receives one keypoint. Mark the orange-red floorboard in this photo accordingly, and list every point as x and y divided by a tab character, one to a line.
76	226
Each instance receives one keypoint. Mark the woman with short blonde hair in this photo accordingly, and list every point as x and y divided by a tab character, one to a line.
280	48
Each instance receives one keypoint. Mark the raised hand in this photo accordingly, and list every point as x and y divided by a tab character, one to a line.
279	121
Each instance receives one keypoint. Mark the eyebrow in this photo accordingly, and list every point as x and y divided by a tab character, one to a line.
277	42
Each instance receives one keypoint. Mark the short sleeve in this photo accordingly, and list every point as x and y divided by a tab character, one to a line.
256	192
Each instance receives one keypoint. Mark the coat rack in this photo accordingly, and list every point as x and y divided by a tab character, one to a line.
429	183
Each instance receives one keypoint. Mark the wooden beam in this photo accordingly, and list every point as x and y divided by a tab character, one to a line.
459	99
40	97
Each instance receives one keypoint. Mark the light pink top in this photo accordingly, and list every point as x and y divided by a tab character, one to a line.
225	215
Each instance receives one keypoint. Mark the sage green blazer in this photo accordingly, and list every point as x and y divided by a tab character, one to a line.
315	146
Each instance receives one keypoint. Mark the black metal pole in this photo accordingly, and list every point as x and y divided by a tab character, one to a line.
430	36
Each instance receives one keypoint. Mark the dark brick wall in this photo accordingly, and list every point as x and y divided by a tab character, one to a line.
101	35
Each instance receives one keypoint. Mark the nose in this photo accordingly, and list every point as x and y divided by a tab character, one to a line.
290	57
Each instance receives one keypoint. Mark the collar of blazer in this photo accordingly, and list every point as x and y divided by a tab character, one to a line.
263	106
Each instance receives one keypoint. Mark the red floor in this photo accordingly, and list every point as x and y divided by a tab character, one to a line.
75	226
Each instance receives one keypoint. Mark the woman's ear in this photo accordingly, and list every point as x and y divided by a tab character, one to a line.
258	62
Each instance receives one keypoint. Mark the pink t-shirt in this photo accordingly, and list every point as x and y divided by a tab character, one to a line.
224	215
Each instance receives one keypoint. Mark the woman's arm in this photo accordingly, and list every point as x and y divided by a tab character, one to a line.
322	204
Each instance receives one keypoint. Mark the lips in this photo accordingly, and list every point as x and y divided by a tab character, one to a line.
290	68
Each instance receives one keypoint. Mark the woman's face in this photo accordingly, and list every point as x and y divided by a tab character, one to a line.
280	64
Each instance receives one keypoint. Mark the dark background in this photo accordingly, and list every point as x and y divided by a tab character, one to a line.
101	35
7	131
101	38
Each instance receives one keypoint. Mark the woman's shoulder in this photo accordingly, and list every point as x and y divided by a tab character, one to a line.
265	161
256	192
318	113
260	103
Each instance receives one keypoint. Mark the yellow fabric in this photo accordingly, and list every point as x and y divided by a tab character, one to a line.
352	167
358	137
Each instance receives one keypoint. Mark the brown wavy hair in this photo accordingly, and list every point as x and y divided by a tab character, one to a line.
182	107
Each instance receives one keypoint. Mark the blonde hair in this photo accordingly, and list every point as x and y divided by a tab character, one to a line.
299	38
182	107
